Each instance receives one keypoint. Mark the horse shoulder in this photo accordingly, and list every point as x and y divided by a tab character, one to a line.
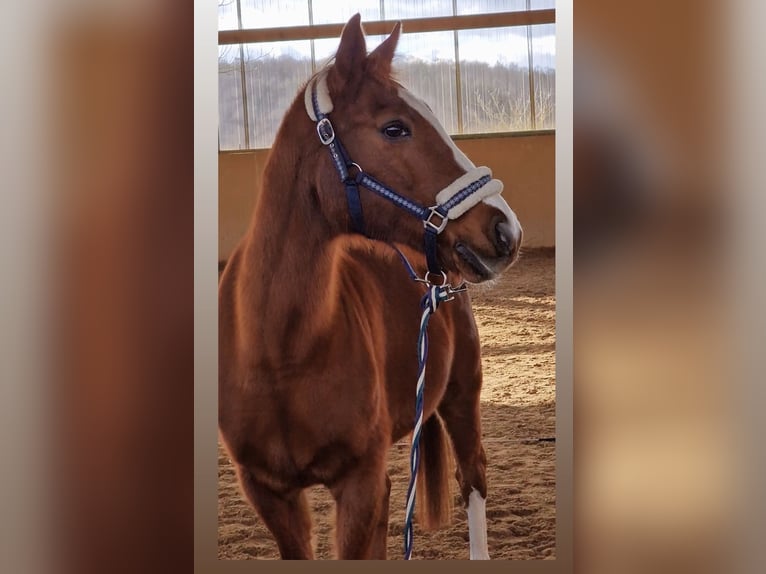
356	296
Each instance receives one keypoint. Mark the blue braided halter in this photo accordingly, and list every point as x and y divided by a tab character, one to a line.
434	218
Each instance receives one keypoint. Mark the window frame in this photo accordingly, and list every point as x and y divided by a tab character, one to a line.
454	23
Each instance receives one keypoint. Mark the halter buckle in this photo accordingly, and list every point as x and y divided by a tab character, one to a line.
435	227
325	131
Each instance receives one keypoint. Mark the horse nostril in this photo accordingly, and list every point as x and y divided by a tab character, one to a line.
504	241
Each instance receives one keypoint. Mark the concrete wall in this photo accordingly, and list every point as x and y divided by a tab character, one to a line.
525	164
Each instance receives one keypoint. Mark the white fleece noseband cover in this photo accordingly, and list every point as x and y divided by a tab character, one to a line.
492	187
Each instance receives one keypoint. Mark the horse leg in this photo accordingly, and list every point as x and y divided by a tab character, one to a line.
380	537
286	515
362	510
460	412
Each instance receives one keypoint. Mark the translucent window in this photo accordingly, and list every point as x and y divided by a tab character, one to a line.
339	11
489	6
231	116
476	81
543	58
274	13
227	15
404	9
493	6
425	64
273	73
494	80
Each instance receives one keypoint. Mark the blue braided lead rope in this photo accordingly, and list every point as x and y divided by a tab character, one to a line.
430	302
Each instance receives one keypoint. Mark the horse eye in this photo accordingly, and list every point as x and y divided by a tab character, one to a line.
395	130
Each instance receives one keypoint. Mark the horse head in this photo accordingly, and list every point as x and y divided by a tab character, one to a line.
393	136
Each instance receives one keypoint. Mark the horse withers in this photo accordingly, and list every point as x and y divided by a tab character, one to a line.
318	324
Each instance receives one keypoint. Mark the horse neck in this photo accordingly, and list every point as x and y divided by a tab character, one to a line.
288	231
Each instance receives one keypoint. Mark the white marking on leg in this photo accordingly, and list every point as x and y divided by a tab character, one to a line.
477	526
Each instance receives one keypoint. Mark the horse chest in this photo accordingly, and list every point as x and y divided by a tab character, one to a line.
301	437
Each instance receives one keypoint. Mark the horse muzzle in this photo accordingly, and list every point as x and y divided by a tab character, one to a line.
484	258
506	239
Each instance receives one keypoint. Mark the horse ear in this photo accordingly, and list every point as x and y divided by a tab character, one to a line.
379	62
349	59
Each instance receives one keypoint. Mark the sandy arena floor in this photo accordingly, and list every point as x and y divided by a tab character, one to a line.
516	321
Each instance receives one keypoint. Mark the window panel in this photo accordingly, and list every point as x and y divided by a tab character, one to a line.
227	15
273	73
231	117
494	79
274	13
425	64
489	6
504	81
407	9
339	11
492	6
544	68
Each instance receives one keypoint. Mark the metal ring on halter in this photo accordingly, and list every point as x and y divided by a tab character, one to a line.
356	165
427	281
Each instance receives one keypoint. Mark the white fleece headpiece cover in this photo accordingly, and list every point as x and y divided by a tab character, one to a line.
323	95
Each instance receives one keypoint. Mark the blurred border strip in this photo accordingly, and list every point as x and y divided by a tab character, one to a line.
206	287
119	139
25	218
744	155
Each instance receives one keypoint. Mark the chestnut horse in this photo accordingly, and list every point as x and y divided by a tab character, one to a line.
318	325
